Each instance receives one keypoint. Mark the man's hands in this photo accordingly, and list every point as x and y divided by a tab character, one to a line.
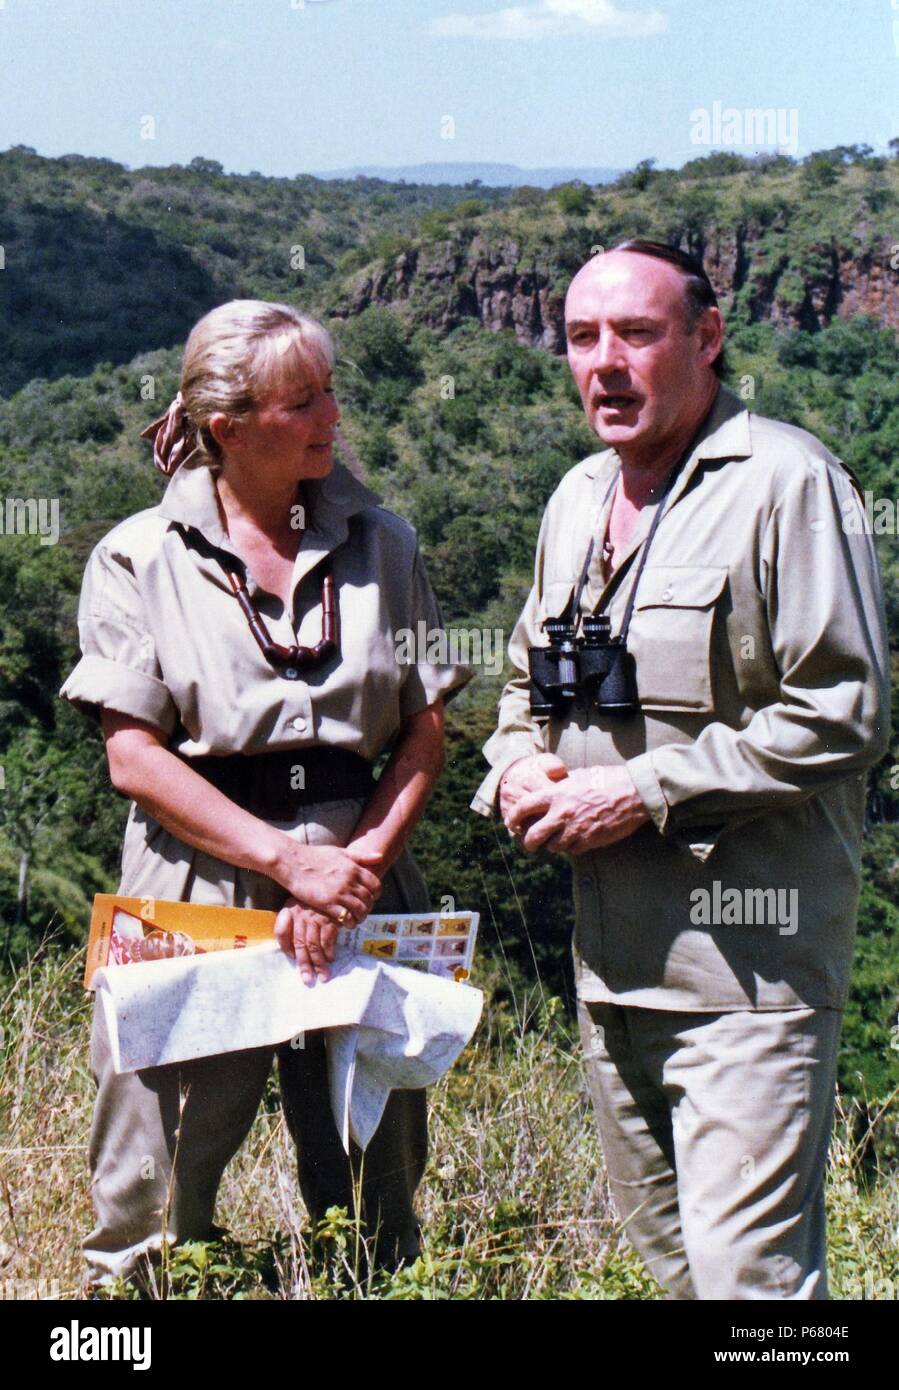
546	807
526	776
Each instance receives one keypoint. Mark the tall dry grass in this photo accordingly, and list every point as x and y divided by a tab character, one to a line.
514	1204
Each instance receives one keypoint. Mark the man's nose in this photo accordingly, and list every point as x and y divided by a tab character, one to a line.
608	354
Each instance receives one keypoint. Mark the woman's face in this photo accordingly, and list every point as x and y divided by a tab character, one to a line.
290	432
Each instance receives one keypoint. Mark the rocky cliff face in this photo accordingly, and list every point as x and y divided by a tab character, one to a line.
448	281
838	283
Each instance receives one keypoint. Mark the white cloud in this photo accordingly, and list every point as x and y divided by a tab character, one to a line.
547	18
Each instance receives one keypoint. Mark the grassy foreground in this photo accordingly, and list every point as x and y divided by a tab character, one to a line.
514	1204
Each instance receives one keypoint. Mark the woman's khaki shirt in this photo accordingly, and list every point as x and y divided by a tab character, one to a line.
164	640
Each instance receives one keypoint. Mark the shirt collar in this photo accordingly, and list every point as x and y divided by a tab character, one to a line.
191	499
726	435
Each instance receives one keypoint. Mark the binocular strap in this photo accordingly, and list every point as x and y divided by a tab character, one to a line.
574	602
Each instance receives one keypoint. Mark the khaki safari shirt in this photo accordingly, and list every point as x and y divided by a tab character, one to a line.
164	640
762	668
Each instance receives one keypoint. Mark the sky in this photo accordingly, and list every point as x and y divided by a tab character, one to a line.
294	86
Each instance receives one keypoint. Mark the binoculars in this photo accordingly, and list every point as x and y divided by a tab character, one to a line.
595	670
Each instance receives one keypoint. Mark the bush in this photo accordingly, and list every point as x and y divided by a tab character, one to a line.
796	349
575	199
465	567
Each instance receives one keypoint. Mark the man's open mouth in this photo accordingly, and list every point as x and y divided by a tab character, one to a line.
613	401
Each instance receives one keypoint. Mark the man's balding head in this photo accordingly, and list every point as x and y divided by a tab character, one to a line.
698	291
644	346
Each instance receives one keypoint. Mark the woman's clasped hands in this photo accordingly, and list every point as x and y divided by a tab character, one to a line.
328	888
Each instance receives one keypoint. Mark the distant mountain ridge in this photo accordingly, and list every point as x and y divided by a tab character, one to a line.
490	175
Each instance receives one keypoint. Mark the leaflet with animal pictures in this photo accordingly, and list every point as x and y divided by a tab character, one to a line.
129	931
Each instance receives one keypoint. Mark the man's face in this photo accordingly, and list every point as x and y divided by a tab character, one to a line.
642	377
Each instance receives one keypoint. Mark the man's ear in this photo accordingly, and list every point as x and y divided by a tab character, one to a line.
711	333
224	429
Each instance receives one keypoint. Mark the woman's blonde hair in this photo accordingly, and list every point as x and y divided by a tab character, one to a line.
240	352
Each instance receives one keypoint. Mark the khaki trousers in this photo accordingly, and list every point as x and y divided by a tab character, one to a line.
155	1170
156	1167
715	1130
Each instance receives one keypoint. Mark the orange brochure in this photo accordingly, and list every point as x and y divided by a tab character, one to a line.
126	930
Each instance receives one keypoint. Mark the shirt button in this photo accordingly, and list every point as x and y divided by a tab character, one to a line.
667	595
299	724
589	882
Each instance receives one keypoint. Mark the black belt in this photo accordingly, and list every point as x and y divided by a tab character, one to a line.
274	785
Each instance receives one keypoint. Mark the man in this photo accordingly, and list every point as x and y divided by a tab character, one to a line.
715	830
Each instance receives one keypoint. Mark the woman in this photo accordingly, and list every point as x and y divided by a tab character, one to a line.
239	647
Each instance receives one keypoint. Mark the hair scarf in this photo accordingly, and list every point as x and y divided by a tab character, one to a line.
174	437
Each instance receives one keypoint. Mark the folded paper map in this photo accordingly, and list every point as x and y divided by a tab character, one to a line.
212	980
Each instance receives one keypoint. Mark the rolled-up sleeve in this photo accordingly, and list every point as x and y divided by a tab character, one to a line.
827	627
118	669
434	672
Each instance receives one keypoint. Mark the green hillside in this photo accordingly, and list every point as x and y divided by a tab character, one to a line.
445	303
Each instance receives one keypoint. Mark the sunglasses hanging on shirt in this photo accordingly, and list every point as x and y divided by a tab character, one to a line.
294	659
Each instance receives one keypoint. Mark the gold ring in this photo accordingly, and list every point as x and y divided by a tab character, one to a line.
342	915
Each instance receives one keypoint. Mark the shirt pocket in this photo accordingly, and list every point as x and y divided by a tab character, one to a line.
556	594
671	635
